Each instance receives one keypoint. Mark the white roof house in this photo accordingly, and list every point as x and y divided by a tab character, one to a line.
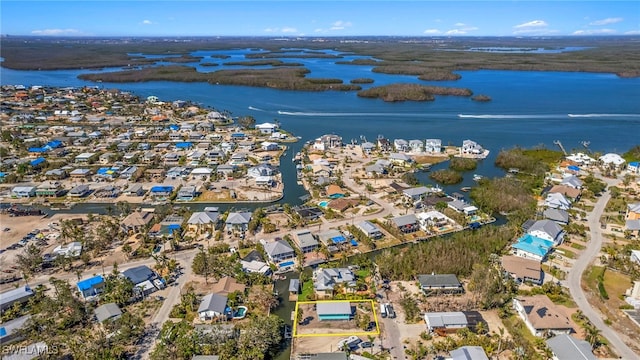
612	159
69	250
557	201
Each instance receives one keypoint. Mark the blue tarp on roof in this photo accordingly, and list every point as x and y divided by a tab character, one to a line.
174	127
338	239
165	188
54	144
87	284
354	243
184	145
37	161
634	163
2	174
106	171
573	168
237	135
3	331
38	150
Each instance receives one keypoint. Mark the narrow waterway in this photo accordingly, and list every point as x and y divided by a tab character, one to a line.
284	311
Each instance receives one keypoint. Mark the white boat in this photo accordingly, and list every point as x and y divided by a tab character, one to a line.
477	177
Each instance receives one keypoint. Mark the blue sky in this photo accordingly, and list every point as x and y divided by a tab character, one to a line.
319	18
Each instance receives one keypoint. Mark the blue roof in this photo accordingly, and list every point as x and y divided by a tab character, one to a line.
2	174
37	161
237	135
635	163
354	243
159	188
573	167
185	144
174	127
3	331
534	245
87	284
37	149
338	239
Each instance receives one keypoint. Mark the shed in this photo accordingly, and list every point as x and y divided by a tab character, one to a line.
294	286
448	321
109	311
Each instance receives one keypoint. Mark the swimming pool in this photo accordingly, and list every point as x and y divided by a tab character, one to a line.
285	264
240	313
323	203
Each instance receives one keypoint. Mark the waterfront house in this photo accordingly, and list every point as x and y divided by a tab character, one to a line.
238	221
406	223
107	312
326	280
523	269
332	237
278	251
557	201
18	295
448	322
305	241
266	128
470	147
256	266
213	306
262	170
203	221
400	159
186	193
400	145
613	160
134	190
468	353
433	146
79	191
334	310
246	145
136	221
161	191
462	207
269	146
433	219
541	316
566	347
633	167
532	247
548	230
384	144
91	287
367	147
370	229
416	146
308	212
23	191
440	284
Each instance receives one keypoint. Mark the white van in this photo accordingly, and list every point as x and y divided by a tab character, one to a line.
383	310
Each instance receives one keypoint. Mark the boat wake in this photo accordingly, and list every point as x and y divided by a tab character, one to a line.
492	116
256	109
330	114
601	115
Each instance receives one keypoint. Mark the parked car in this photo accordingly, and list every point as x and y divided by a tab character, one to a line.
366	344
390	312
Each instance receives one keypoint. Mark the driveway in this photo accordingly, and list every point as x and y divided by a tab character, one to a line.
575	276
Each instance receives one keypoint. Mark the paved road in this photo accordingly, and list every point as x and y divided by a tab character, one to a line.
575	276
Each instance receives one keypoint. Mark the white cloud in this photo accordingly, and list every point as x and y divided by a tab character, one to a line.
459	24
538	32
340	25
455	32
284	30
289	30
432	31
594	32
147	22
632	32
57	32
606	21
532	24
270	30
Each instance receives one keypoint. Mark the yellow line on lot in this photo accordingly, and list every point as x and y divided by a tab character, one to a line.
295	319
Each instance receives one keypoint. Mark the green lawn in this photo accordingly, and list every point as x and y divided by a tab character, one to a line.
578	246
307	291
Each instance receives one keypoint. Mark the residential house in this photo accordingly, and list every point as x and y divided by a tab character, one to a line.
227	285
334	310
56	174
532	247
447	322
332	237
440	283
10	333
145	281
23	191
462	207
415	193
79	191
384	144
161	191
72	249
49	189
406	223
559	216
269	146
86	158
557	201
566	347
370	229
471	147
238	221
367	147
635	256
136	221
279	250
433	146
326	280
203	221
523	269
128	172
468	353
262	170
256	266
80	174
570	193
401	145
611	159
134	190
433	219
18	295
334	191
541	316
634	167
305	241
416	146
572	181
548	230
213	306
308	212
186	193
400	159
108	312
266	128
91	287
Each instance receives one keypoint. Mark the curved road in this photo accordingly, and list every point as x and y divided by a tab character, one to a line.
575	276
